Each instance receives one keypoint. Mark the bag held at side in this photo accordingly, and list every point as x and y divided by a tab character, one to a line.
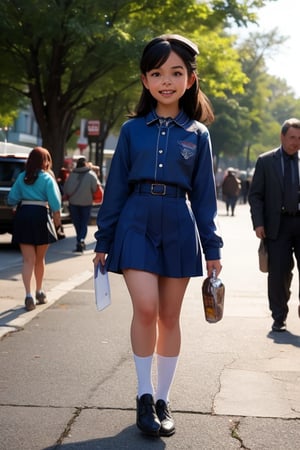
98	195
213	293
263	256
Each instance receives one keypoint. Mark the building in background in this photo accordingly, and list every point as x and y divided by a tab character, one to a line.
24	131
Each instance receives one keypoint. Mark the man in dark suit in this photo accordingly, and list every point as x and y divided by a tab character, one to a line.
274	199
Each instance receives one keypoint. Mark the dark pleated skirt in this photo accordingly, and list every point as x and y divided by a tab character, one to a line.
156	234
32	226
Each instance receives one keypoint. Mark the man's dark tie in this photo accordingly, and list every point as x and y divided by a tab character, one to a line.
291	184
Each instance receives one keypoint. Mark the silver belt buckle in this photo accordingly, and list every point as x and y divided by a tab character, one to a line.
158	185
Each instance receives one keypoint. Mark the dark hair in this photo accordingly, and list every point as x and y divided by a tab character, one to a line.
293	122
39	159
194	102
81	162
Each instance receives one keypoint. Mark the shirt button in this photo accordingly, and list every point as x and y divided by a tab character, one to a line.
160	151
160	165
163	133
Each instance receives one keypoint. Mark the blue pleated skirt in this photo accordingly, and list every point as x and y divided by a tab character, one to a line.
156	234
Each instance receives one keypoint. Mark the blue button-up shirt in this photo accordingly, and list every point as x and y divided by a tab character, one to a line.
171	151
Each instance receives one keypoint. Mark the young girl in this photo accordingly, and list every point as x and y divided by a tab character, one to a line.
159	209
35	191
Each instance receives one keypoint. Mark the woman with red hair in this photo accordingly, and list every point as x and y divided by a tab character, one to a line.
37	195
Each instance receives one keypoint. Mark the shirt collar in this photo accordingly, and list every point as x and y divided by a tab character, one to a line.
182	120
287	156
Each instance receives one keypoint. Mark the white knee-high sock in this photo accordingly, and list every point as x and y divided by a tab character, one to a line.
166	367
143	367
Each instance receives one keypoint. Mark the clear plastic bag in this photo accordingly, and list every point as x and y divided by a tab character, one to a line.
213	293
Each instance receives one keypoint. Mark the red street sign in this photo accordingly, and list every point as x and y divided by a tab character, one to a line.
93	127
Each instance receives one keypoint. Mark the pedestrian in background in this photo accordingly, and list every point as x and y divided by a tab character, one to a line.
35	191
159	204
62	176
275	210
231	189
79	188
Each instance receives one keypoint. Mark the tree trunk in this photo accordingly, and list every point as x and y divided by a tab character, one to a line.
54	141
55	127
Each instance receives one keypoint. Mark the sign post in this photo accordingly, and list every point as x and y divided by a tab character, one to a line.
93	134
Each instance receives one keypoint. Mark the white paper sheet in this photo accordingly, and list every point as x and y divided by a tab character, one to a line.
102	289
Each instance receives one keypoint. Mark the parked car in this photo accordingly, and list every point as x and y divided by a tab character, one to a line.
12	162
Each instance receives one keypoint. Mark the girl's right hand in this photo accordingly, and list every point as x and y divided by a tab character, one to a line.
99	258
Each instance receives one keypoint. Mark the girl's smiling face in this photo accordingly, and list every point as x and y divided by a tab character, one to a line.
167	84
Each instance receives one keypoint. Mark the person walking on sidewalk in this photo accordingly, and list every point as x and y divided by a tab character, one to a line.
231	189
274	199
35	191
79	187
159	203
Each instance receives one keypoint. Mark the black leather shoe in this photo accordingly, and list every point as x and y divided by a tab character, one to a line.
146	418
278	327
167	425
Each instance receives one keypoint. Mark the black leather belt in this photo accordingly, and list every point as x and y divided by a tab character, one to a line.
287	214
167	190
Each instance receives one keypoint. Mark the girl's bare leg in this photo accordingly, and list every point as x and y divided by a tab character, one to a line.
171	293
28	254
143	289
39	268
144	292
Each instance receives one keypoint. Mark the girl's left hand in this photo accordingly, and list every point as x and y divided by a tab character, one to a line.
213	265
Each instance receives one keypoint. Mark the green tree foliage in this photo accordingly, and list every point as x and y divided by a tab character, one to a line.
248	123
9	106
64	55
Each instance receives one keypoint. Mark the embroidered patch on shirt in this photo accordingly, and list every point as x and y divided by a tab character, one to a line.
188	149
